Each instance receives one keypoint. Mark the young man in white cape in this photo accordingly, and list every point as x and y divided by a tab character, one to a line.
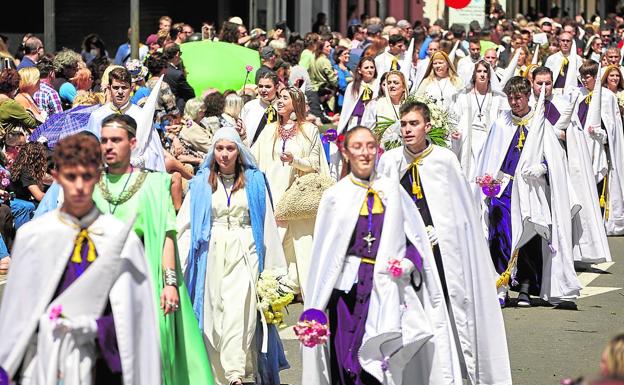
564	65
387	326
78	307
588	233
257	113
438	188
598	114
529	220
392	58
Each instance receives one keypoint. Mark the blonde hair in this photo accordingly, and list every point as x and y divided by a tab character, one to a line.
29	76
106	74
233	105
614	360
452	73
88	99
192	107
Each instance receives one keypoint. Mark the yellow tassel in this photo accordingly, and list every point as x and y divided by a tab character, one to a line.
505	277
395	64
367	94
270	114
588	98
564	64
521	139
82	236
603	202
417	191
377	205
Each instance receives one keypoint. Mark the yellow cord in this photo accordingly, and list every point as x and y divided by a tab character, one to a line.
395	64
82	236
564	64
377	205
367	94
505	277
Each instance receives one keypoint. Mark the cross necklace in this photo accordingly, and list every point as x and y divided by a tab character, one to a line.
369	239
480	105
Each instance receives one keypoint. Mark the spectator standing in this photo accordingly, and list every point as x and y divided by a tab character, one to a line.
33	51
176	78
46	97
13	117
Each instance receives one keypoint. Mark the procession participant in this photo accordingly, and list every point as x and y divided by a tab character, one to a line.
391	58
285	150
227	229
565	64
441	82
367	223
477	108
524	157
598	113
125	191
466	65
427	172
81	284
590	240
256	114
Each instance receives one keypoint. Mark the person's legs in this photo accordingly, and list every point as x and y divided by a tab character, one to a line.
22	211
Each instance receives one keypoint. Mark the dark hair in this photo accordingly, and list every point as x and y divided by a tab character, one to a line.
127	121
32	160
122	75
77	150
155	63
458	30
214	104
396	39
487	66
45	66
352	131
9	80
93	39
229	32
413	106
171	50
517	85
320	44
292	53
337	52
357	77
310	39
31	45
272	76
589	67
542	70
474	40
352	30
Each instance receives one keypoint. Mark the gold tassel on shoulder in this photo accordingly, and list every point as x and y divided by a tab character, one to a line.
82	236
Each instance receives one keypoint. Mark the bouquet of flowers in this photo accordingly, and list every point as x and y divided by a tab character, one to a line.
441	119
275	292
5	177
620	99
489	185
312	329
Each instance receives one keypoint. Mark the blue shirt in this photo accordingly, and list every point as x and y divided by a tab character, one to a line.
26	62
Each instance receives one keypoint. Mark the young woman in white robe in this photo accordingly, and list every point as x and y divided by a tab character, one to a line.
477	108
441	81
227	229
289	148
257	113
390	329
384	113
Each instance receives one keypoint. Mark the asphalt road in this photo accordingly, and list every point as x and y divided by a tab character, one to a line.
545	344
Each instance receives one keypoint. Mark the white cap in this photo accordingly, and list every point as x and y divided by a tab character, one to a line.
236	20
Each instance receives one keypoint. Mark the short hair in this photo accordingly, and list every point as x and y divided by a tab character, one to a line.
45	66
269	75
155	63
9	80
176	29
32	45
167	18
214	104
88	99
458	30
171	50
126	121
121	74
77	150
82	78
474	40
396	39
542	70
29	76
339	51
517	85
589	67
411	106
193	106
66	59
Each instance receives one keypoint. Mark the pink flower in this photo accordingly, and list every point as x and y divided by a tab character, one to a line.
394	267
487	180
248	68
311	333
5	182
56	312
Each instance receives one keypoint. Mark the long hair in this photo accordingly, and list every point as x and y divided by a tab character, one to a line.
401	77
299	109
357	77
605	77
31	160
615	357
452	73
239	175
487	66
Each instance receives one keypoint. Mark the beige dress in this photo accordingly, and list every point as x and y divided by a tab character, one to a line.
309	156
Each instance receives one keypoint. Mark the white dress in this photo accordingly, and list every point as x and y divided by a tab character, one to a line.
442	91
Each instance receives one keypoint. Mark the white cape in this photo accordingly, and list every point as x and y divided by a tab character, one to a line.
470	275
420	333
27	296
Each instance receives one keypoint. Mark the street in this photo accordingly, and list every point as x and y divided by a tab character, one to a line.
545	345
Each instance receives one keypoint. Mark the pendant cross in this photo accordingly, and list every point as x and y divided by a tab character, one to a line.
369	239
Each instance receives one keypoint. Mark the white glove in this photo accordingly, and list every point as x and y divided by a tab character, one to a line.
432	234
407	266
561	134
598	134
84	329
534	172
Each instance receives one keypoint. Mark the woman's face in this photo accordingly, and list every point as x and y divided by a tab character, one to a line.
367	71
285	104
597	46
440	68
344	57
481	75
522	58
613	80
395	86
226	153
361	152
327	48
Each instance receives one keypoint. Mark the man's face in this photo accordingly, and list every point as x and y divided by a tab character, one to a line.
116	145
398	48
547	29
613	56
589	81
526	39
120	92
519	103
490	57
78	183
475	51
606	38
434	47
516	43
570	29
565	43
414	129
187	31
542	79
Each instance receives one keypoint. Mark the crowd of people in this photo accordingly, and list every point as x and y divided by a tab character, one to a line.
399	182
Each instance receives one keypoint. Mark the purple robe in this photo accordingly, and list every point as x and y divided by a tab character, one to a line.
529	266
551	113
348	311
560	82
109	371
582	111
358	110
